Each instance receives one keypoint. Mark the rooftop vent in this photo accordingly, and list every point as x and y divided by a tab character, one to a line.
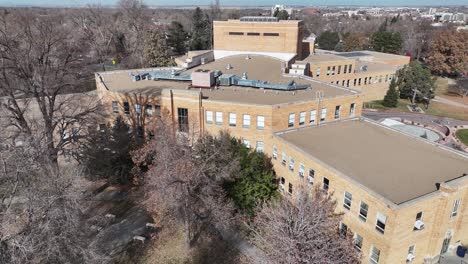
228	66
364	68
247	57
244	76
258	19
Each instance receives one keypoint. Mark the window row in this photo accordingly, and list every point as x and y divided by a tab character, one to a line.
267	34
149	109
363	81
323	114
259	145
363	212
334	70
217	118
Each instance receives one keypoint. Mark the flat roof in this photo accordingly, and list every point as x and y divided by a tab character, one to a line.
394	165
374	67
322	57
257	67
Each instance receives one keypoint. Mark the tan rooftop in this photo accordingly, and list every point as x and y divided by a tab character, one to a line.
374	67
394	165
257	67
322	57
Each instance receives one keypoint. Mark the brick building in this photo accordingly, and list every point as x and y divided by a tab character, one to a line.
404	199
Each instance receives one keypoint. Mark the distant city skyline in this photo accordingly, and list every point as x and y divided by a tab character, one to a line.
76	3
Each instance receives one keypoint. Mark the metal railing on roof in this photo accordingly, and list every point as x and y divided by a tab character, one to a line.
258	19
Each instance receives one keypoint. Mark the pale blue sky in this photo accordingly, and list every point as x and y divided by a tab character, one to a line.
240	2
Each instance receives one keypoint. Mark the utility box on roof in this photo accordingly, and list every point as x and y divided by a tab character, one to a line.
203	78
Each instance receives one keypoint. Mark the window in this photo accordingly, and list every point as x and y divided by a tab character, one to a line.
275	152
219	118
291	163
365	80
350	68
281	183
363	209
352	109
354	82
283	158
345	69
149	110
301	170
246	121
291	119
348	197
333	70
310	178
411	253
343	229
271	34
328	70
374	255
209	117
419	216
232	119
339	69
115	106
347	83
359	81
246	143
157	110
290	188
456	204
260	122
102	128
337	111
358	241
326	184
386	78
380	224
342	83
313	115
318	71
138	109
253	34
323	114
259	146
126	107
302	116
236	33
182	118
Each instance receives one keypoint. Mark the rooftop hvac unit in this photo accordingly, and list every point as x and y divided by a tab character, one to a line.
310	179
364	68
228	66
410	257
202	61
419	225
244	76
281	187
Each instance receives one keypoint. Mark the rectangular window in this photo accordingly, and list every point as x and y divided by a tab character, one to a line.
318	71
302	117
291	119
283	158
290	188
126	107
363	209
209	117
323	115
342	83
326	184
259	146
345	69
380	224
271	34
343	229
253	34
291	163
149	110
365	80
157	110
339	69
411	250
313	115
354	82
419	216
275	153
236	33
115	106
456	204
246	121
352	109
350	68
347	83
182	118
328	70
374	255
386	78
260	122
301	170
348	197
138	109
310	178
282	182
358	241
333	70
337	111
246	143
232	119
359	81
219	118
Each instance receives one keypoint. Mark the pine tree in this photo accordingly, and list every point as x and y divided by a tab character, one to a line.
391	98
156	50
201	31
177	37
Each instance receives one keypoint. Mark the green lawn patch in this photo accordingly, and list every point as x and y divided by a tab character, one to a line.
462	134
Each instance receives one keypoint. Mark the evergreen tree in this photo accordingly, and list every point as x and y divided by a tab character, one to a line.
328	40
339	47
391	98
156	50
414	77
388	42
177	37
201	31
281	14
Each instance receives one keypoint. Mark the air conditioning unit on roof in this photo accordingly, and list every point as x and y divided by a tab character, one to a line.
419	225
410	257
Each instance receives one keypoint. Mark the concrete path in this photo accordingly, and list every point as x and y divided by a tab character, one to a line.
421	118
255	255
449	102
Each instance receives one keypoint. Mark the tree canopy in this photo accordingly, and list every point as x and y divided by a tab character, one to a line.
201	31
281	14
448	53
156	49
177	37
414	77
328	40
388	42
391	98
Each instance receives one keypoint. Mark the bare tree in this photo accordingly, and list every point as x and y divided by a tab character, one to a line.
303	230
39	63
178	178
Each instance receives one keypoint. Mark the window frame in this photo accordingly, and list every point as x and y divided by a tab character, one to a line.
347	201
291	117
232	117
115	107
246	121
361	209
220	116
260	122
380	225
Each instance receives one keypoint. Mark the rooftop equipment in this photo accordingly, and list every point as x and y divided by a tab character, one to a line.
258	19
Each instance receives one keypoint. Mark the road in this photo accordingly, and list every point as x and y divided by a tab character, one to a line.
449	102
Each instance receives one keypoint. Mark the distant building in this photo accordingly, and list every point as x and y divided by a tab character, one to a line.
280	8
